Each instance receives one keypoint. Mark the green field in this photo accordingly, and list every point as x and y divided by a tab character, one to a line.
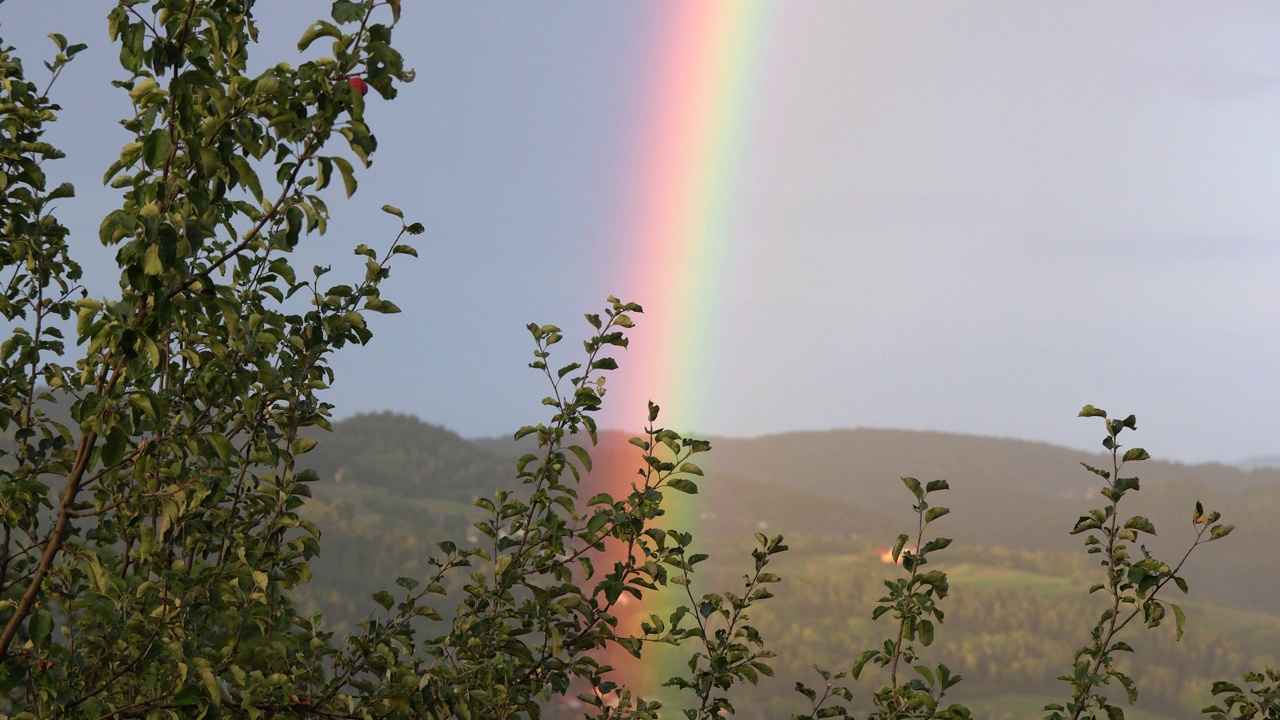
981	577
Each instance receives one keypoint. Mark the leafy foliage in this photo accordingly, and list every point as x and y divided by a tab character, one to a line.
1262	701
152	581
912	601
1132	585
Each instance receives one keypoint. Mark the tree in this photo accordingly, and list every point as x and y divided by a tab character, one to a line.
155	572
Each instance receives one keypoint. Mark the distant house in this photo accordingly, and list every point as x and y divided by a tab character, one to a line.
885	554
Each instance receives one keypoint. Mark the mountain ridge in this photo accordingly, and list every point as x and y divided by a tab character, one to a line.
1018	493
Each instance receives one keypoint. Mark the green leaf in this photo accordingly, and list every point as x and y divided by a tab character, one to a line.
684	485
383	598
157	147
324	167
211	685
897	546
348	174
1131	691
597	521
689	468
1138	522
502	563
151	264
939	543
115	446
1179	619
861	662
302	445
65	190
318	29
806	691
914	486
1091	411
186	697
346	11
221	446
612	590
379	305
1104	474
40	628
582	455
393	210
934	513
1136	454
247	177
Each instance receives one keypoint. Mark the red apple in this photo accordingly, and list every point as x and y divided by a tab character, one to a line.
359	84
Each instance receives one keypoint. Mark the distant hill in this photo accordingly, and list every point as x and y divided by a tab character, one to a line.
1027	494
401	453
392	486
388	473
985	473
839	488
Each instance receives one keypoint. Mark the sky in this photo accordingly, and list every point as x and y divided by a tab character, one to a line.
971	217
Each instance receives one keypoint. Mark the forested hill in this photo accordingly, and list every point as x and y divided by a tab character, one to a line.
1003	490
392	486
405	456
1014	493
832	456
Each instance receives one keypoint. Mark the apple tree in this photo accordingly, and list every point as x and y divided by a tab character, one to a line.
148	543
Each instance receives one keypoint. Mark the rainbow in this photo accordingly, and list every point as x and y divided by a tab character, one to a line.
697	99
681	187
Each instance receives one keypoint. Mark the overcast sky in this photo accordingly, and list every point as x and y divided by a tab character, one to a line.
972	217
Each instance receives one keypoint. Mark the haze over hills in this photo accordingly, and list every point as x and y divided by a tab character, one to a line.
1004	492
1011	492
397	485
1260	461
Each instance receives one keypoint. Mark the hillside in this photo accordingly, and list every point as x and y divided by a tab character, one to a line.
1012	492
825	487
1027	495
391	486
